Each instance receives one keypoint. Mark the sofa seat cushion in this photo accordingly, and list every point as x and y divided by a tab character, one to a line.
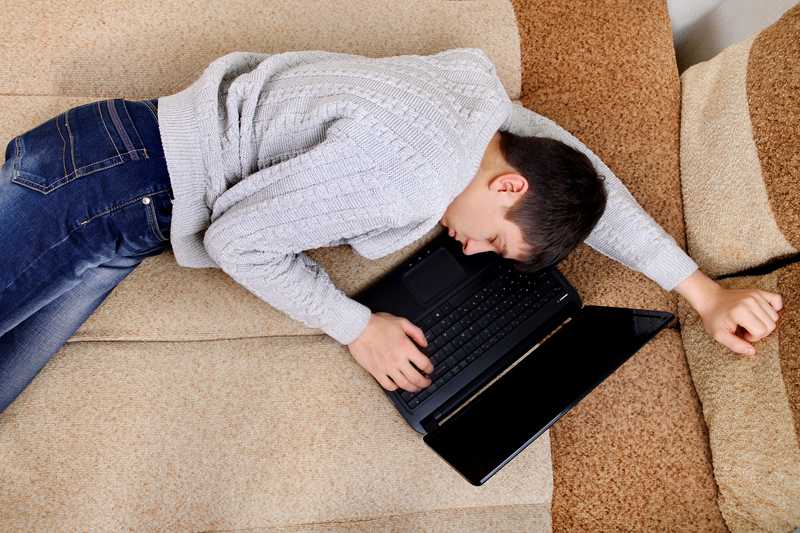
235	435
752	407
740	167
110	49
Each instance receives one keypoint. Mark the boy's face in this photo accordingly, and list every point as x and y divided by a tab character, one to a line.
476	218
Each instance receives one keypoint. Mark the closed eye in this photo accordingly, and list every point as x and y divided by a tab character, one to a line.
493	243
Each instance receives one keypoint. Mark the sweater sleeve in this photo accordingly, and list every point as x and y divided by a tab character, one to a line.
625	232
261	226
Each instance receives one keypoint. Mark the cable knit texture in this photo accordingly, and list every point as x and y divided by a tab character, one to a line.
271	155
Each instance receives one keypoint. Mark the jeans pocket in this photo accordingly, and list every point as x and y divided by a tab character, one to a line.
77	143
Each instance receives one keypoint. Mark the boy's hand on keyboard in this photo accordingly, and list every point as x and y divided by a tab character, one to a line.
385	350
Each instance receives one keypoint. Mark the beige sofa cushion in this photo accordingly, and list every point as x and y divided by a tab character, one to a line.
113	49
740	167
242	435
752	408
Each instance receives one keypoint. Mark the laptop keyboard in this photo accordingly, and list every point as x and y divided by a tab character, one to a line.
460	332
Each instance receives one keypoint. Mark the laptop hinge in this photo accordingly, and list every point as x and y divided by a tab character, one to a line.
430	423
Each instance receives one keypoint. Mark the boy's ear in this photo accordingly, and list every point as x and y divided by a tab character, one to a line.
512	183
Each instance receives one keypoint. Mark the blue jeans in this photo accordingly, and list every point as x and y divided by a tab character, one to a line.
84	198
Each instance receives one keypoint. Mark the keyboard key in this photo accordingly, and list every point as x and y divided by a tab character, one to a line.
439	371
459	335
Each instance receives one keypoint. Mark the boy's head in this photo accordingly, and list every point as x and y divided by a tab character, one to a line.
533	200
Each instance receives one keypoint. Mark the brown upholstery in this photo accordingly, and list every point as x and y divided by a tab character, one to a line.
632	456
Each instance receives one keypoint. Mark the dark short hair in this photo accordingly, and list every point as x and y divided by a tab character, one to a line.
564	201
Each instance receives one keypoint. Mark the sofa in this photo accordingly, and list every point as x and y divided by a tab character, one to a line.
185	404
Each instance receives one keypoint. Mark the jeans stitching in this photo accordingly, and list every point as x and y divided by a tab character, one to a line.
77	172
110	138
64	150
137	199
153	109
133	130
123	133
71	176
71	142
69	146
151	217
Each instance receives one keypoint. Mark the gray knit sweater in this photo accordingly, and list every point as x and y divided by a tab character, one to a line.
271	155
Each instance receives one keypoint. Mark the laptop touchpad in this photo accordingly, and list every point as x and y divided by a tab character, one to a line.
434	276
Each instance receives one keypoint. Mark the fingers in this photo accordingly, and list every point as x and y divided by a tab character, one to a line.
724	311
414	332
408	378
754	312
414	355
421	361
385	351
775	300
757	313
735	343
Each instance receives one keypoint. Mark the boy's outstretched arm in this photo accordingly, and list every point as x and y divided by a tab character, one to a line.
385	350
723	311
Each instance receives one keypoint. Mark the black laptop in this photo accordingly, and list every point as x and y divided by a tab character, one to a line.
492	392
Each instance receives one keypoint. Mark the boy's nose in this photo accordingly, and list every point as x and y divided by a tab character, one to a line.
472	247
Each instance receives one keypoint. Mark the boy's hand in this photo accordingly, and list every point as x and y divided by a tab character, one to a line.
385	351
725	311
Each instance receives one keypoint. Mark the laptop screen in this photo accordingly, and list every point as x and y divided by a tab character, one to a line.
506	417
